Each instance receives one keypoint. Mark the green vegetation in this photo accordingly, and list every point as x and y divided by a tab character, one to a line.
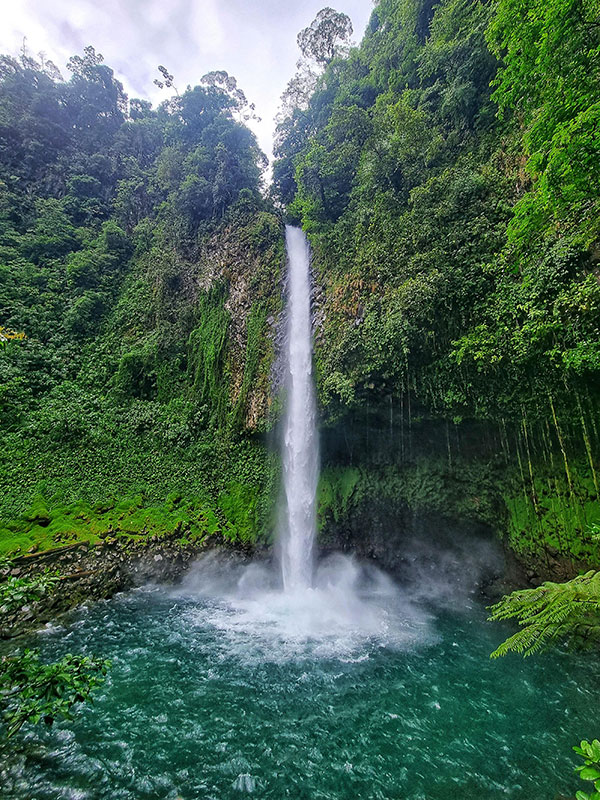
414	218
16	592
425	486
446	171
152	475
590	770
552	613
31	691
547	514
549	76
132	367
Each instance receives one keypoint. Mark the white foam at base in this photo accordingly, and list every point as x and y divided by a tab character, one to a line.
350	609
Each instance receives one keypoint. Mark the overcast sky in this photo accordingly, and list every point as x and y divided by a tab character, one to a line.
254	40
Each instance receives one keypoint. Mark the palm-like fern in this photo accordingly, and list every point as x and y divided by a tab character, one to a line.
553	611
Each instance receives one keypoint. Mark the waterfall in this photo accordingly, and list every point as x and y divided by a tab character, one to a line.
300	447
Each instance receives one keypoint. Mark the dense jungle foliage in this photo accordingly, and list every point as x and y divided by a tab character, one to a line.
445	170
139	269
447	173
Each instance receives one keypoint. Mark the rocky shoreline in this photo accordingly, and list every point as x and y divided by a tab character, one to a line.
94	572
98	571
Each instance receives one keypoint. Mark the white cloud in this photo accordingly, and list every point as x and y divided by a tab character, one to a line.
254	40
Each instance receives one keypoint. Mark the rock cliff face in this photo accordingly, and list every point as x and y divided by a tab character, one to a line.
456	284
456	298
254	303
244	262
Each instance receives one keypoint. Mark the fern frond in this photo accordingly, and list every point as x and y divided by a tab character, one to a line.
551	612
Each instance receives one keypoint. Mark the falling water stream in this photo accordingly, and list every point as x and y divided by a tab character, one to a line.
346	684
300	454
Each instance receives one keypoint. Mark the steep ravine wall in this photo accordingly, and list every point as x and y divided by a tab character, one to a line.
173	439
385	482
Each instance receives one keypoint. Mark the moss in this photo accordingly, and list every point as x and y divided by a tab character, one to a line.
336	487
468	491
549	515
38	514
207	347
234	515
239	506
255	353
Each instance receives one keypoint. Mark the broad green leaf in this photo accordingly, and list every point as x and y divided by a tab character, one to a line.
589	774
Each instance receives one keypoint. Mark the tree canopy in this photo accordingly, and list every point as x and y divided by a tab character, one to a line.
446	171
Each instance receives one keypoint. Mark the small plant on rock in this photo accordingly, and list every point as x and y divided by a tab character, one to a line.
590	770
16	592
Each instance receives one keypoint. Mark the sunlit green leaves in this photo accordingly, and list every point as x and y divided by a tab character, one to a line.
550	53
590	770
551	613
31	691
